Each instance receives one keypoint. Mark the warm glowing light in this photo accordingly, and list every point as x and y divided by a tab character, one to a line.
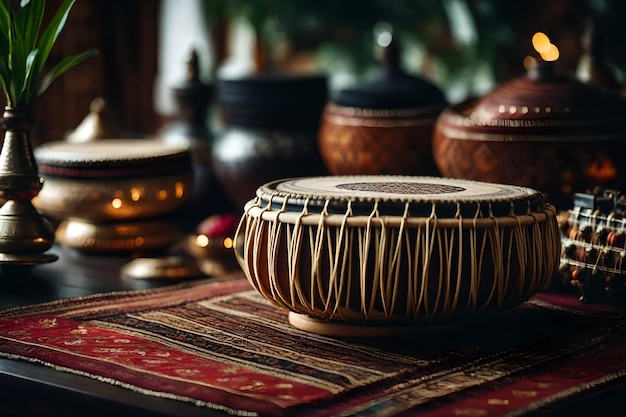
546	49
228	243
552	54
202	241
136	193
541	42
529	62
179	189
162	194
116	203
601	170
139	241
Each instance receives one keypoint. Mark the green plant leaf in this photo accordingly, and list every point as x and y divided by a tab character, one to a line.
64	65
5	43
50	35
29	76
24	51
17	63
28	21
3	74
5	19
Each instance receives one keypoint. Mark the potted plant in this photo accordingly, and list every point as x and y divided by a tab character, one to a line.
25	46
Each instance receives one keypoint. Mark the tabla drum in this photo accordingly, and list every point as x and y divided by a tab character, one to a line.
379	253
112	195
113	178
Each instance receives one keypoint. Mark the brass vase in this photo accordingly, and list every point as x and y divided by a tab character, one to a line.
25	234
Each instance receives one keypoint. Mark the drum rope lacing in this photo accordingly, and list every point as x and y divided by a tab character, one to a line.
390	267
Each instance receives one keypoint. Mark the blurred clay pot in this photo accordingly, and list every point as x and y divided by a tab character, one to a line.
270	127
542	130
384	126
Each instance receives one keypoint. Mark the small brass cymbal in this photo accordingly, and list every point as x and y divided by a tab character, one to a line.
161	268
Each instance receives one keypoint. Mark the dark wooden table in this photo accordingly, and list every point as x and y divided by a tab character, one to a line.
33	390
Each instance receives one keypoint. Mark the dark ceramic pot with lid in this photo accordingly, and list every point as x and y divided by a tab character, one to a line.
269	127
383	126
543	130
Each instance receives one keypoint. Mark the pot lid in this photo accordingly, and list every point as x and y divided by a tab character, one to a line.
273	100
392	88
192	90
96	125
273	89
545	99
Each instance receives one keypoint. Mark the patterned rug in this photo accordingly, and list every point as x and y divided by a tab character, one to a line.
218	344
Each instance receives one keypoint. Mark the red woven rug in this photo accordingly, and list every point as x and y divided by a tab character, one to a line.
218	344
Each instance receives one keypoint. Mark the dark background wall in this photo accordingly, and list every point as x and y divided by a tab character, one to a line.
126	34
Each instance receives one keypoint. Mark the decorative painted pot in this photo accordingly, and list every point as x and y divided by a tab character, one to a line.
383	126
543	130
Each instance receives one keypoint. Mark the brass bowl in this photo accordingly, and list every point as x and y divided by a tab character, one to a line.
136	236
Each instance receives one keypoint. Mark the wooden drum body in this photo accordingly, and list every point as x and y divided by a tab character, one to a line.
395	250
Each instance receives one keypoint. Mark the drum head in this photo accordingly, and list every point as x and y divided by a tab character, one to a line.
450	197
112	158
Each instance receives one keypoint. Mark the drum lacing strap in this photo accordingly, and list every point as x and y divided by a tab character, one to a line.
254	224
544	235
402	236
496	259
294	253
272	248
427	251
390	286
242	256
537	249
519	235
364	245
450	304
445	238
339	280
548	234
317	271
475	265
